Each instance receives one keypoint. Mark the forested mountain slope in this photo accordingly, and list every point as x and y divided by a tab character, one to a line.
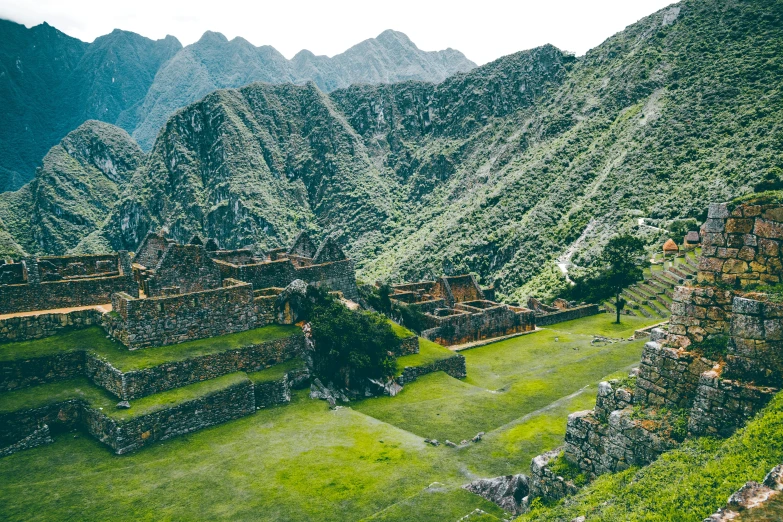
51	83
497	171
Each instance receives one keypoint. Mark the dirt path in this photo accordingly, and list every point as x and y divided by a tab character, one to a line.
100	307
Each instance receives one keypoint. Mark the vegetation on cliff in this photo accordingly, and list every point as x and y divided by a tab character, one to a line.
500	171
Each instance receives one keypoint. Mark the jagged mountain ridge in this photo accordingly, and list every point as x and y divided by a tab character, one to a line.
497	171
50	83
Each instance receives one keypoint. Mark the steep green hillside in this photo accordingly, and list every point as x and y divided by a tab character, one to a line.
214	62
499	171
73	192
51	83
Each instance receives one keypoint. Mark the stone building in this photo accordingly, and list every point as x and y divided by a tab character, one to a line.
680	389
457	312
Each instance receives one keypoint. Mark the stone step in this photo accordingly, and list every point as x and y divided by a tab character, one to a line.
657	308
680	274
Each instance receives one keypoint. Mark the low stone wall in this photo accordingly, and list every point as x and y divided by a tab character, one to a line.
129	435
140	383
158	321
597	447
722	406
454	366
567	315
16	427
63	294
496	321
22	373
408	346
25	328
544	483
273	392
668	376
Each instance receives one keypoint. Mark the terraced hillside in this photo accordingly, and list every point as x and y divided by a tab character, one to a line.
652	297
303	461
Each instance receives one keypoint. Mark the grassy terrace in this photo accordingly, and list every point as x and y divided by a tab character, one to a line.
94	340
429	352
365	462
37	396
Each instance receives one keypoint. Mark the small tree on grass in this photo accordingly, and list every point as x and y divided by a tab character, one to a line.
350	346
622	265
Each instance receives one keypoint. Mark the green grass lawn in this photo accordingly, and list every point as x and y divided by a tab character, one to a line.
429	352
94	340
303	461
81	388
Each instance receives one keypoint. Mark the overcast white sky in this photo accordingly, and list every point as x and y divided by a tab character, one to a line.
482	29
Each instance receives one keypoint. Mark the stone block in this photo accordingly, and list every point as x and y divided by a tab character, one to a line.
768	229
739	226
774	214
714	226
718	210
735	266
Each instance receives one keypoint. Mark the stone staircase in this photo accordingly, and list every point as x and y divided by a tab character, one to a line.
652	297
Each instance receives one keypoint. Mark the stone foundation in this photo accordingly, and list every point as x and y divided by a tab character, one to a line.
25	328
129	435
544	483
454	366
22	373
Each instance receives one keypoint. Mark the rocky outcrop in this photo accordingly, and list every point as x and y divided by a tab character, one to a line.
507	492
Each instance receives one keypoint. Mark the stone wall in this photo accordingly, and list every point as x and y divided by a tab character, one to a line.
140	383
567	315
21	373
21	430
698	312
52	268
741	245
756	345
25	328
611	396
63	294
338	275
272	392
546	484
471	324
454	366
124	436
408	346
158	321
184	269
668	376
603	447
722	406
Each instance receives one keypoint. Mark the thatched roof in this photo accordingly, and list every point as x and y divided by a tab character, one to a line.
670	246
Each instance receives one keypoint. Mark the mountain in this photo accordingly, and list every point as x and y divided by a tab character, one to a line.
73	191
51	83
500	171
214	62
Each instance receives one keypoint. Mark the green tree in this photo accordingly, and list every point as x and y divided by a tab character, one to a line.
622	262
350	346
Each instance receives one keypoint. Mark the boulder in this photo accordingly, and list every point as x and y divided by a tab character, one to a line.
507	491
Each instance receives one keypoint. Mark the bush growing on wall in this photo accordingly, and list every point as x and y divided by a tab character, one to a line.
350	346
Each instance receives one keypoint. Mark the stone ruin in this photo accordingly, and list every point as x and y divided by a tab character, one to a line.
42	283
456	311
678	389
166	293
560	311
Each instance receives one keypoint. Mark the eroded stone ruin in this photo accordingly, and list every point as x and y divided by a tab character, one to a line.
457	311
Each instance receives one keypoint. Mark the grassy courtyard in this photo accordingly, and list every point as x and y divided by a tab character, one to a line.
368	461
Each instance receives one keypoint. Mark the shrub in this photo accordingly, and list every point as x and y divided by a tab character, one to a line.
560	466
350	346
714	347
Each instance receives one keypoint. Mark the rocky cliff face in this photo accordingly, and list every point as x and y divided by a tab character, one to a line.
73	192
497	171
50	83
